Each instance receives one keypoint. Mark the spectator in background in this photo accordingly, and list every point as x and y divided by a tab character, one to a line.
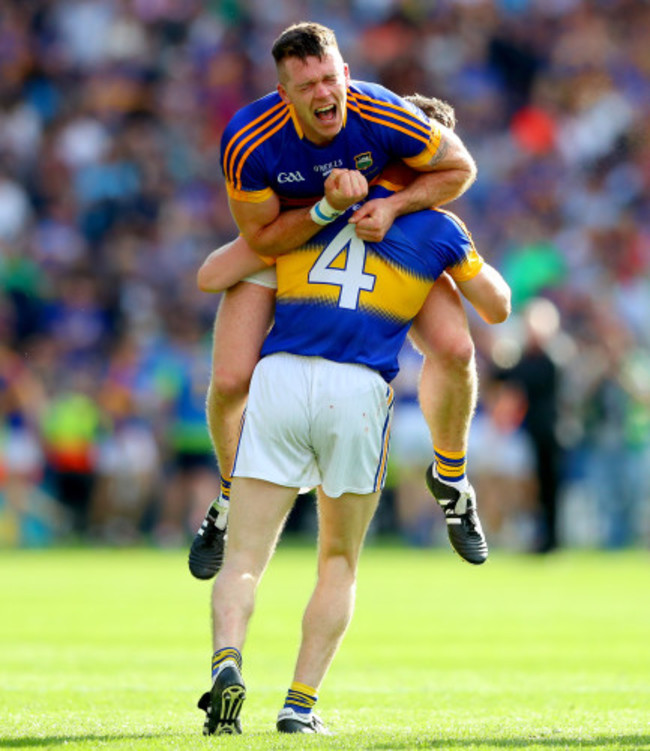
616	405
537	376
504	466
27	515
184	369
71	425
128	454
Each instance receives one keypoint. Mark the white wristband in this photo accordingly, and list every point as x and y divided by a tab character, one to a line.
322	213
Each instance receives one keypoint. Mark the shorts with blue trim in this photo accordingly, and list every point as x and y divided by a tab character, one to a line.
311	421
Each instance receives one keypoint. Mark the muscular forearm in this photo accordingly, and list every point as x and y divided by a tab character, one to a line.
271	232
432	189
285	233
445	177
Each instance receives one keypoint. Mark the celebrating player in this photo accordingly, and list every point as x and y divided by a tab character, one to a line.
276	155
319	414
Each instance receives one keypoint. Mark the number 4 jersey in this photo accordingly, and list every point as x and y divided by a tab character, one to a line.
350	301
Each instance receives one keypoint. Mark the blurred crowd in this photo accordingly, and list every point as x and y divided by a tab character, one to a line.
111	113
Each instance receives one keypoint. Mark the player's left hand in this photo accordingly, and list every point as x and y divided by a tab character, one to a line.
373	220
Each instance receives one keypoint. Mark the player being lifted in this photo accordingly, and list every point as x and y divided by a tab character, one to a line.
276	155
319	414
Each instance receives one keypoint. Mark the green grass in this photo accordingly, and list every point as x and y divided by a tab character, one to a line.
111	649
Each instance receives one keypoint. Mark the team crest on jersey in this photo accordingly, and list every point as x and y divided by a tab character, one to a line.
363	161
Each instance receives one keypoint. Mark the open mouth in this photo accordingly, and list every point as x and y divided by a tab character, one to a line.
326	114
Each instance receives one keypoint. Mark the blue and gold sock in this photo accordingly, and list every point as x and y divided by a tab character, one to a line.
226	482
450	467
301	698
221	506
221	655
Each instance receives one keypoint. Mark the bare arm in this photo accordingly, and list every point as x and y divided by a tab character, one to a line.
445	177
489	293
266	229
228	265
271	232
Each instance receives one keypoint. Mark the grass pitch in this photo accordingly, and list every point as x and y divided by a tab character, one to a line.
111	649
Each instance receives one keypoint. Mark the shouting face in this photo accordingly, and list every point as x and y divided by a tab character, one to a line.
316	87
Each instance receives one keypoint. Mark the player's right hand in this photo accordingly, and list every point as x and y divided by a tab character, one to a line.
345	187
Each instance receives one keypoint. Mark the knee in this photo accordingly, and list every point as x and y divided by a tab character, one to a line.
241	572
339	570
455	353
461	352
229	383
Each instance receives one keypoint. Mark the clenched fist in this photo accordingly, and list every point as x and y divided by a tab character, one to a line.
345	187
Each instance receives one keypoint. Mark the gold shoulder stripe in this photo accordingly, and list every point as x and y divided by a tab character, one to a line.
296	122
245	129
365	102
424	138
253	146
227	158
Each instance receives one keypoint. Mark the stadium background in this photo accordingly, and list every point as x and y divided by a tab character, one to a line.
111	195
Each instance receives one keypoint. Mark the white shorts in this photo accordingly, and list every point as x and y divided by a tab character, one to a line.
263	277
310	422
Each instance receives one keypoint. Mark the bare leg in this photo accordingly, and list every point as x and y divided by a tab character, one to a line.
257	516
447	390
343	523
241	324
448	381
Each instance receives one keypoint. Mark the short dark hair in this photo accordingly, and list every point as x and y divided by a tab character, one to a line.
303	40
434	108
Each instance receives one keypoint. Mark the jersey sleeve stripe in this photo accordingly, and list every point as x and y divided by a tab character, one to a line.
236	181
364	98
393	187
473	262
248	196
389	110
241	137
420	160
423	137
468	268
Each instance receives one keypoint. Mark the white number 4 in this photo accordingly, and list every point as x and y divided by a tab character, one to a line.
351	278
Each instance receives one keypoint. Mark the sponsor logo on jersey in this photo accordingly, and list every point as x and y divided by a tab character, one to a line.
290	177
325	169
363	161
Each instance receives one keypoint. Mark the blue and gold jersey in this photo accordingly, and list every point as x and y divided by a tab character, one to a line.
350	301
263	149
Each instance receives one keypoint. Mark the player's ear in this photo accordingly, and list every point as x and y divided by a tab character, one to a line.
346	73
283	94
